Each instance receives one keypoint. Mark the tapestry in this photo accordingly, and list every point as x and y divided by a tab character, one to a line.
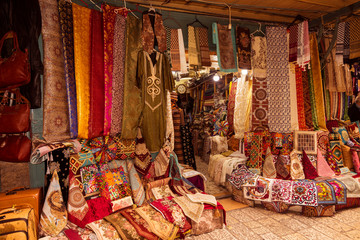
140	225
175	51
123	227
339	189
258	56
282	171
260	192
269	170
255	159
132	97
354	24
305	141
172	212
224	39
240	176
332	162
281	191
240	107
296	168
293	43
278	80
231	105
204	46
323	142
336	153
300	98
193	51
243	44
142	158
322	167
118	74
104	230
293	100
55	110
191	210
309	169
67	35
97	104
304	193
260	104
319	211
326	193
307	101
53	217
158	224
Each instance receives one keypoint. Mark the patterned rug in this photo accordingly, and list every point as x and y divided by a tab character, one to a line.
259	104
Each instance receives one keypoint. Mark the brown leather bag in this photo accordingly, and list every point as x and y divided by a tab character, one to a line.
14	112
14	70
15	148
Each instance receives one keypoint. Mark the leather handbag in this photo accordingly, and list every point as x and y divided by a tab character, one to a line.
15	148
14	112
14	70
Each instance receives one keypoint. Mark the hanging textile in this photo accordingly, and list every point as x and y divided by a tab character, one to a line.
354	37
300	99
55	109
169	122
66	22
225	47
260	104
306	56
278	80
96	119
183	67
300	45
348	80
176	113
153	33
109	24
82	57
137	187
293	46
317	81
154	80
258	58
293	98
307	102
347	42
204	47
175	51
243	44
231	105
330	81
340	43
248	101
240	107
193	51
132	109
312	99
118	75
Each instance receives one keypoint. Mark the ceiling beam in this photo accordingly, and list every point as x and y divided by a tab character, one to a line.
326	3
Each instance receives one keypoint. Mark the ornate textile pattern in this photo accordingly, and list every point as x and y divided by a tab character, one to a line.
243	44
354	38
109	24
259	104
204	47
281	191
240	176
307	102
293	100
88	177
296	168
344	135
122	203
258	55
277	80
191	210
104	230
96	119
158	224
153	33
66	26
336	152
312	100
118	75
170	134
172	212
323	142
138	192
156	184
332	162
305	141
132	97
326	194
174	50
346	42
81	16
293	43
304	193
225	47
140	225
309	169
202	198
186	139
282	171
281	143
240	107
255	159
322	167
177	134
231	105
262	190
183	65
125	148
339	189
142	158
162	192
210	220
55	110
123	227
340	43
104	149
300	99
269	170
319	211
194	52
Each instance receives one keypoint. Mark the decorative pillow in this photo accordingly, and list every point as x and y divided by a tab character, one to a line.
323	142
347	157
281	170
323	168
353	131
309	169
356	162
269	170
334	137
104	149
332	162
343	134
332	123
296	168
319	211
113	184
88	177
125	148
305	141
281	143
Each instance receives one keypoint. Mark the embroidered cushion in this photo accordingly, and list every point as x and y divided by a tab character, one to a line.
347	157
88	178
343	134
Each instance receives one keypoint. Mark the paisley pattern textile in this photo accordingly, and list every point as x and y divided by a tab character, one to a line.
326	194
55	109
153	33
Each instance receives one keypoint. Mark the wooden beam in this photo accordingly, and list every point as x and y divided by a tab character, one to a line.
326	3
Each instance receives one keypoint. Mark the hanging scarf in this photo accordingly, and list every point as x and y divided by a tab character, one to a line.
66	22
240	107
306	56
231	105
312	99
260	104
82	49
258	58
96	120
354	38
225	47
153	35
183	67
330	69
194	52
109	24
248	102
293	43
300	45
174	50
346	42
293	98
243	44
300	99
340	43
278	80
307	102
132	98
204	47
118	75
55	110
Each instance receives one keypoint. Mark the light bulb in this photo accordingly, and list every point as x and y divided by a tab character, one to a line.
244	72
216	77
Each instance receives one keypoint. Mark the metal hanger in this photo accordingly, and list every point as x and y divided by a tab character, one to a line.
127	9
258	31
95	5
169	17
196	21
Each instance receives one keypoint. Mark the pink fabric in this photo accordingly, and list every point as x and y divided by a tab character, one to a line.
309	170
356	162
323	168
